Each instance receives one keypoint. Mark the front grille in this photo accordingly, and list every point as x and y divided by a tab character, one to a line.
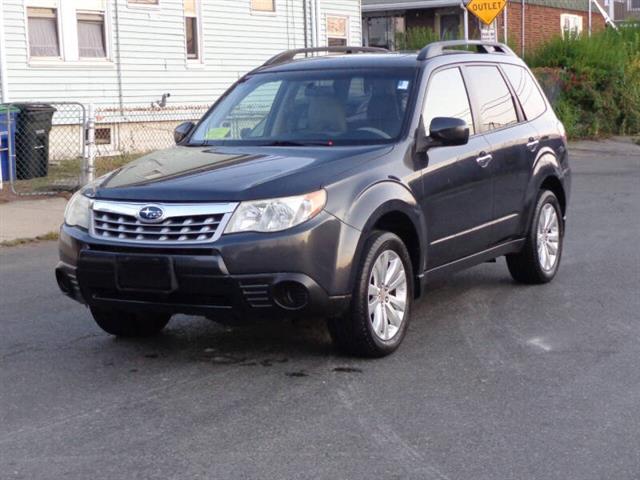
179	229
180	223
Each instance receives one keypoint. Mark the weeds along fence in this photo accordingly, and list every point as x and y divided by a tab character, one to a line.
48	148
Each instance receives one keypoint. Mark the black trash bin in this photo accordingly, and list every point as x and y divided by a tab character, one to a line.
33	126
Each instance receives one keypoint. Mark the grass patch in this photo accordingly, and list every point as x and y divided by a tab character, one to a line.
24	241
598	78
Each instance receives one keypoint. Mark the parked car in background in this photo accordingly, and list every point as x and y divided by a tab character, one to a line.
336	185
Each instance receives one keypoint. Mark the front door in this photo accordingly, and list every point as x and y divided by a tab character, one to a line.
458	193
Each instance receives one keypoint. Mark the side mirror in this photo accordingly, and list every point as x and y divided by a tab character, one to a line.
182	130
445	131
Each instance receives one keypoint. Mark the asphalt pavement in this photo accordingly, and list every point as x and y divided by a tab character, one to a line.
494	381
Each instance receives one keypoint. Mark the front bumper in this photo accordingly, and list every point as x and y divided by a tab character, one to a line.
299	273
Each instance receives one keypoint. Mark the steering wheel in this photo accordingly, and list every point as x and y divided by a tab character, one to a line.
375	131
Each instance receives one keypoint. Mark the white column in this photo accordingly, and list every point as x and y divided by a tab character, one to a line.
320	40
90	150
612	10
466	22
505	19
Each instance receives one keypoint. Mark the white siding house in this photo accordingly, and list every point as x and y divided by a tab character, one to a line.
122	56
144	53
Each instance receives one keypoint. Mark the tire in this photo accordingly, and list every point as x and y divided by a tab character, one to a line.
122	323
535	264
354	332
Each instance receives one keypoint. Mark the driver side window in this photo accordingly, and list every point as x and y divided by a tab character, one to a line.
447	97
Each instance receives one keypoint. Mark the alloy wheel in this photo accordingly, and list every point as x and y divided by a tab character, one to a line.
548	239
387	296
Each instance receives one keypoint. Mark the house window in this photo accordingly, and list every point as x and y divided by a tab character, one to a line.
103	136
263	5
570	25
337	31
449	25
386	32
43	32
634	4
91	35
192	34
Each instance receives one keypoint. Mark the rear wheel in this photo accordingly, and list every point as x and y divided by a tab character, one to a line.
539	260
380	307
122	323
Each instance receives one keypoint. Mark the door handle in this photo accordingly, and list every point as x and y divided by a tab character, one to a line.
484	159
533	144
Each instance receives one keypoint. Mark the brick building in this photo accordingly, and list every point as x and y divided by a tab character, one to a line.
545	19
383	20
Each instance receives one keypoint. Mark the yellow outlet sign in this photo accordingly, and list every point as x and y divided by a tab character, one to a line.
486	10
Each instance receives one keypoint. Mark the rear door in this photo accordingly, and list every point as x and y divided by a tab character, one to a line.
501	124
457	190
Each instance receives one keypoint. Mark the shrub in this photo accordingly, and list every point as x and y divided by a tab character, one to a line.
599	80
416	38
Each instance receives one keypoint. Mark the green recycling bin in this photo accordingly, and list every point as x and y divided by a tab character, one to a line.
33	126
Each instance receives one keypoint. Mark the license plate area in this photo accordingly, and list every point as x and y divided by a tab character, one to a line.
145	273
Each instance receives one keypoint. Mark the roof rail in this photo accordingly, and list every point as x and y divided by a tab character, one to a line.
289	55
438	48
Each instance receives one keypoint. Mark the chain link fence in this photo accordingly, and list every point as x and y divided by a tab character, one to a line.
122	135
43	147
57	146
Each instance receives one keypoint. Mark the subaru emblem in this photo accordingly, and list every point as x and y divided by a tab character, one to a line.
151	214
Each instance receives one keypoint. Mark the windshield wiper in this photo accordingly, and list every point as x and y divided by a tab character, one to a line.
292	143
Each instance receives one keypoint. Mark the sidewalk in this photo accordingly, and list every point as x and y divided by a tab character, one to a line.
27	219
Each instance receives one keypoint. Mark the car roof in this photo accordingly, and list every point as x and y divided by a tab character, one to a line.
386	60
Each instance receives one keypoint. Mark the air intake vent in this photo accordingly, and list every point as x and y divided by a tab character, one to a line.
257	294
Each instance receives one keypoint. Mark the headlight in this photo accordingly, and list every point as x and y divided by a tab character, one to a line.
77	211
276	214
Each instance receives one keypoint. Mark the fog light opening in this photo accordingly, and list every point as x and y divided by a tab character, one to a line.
291	295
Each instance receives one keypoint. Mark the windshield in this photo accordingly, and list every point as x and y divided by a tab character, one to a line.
349	107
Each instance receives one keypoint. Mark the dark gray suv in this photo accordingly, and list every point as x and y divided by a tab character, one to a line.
334	185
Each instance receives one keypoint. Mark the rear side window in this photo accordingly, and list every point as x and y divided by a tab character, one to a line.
447	97
528	92
496	108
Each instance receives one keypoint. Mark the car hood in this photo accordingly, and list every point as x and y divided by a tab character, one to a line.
183	174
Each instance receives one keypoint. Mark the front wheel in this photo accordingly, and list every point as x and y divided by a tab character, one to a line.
380	307
122	323
539	260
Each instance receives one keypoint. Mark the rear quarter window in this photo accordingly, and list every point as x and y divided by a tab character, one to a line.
494	100
527	91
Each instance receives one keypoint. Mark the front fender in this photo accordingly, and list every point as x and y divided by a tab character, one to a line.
372	204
